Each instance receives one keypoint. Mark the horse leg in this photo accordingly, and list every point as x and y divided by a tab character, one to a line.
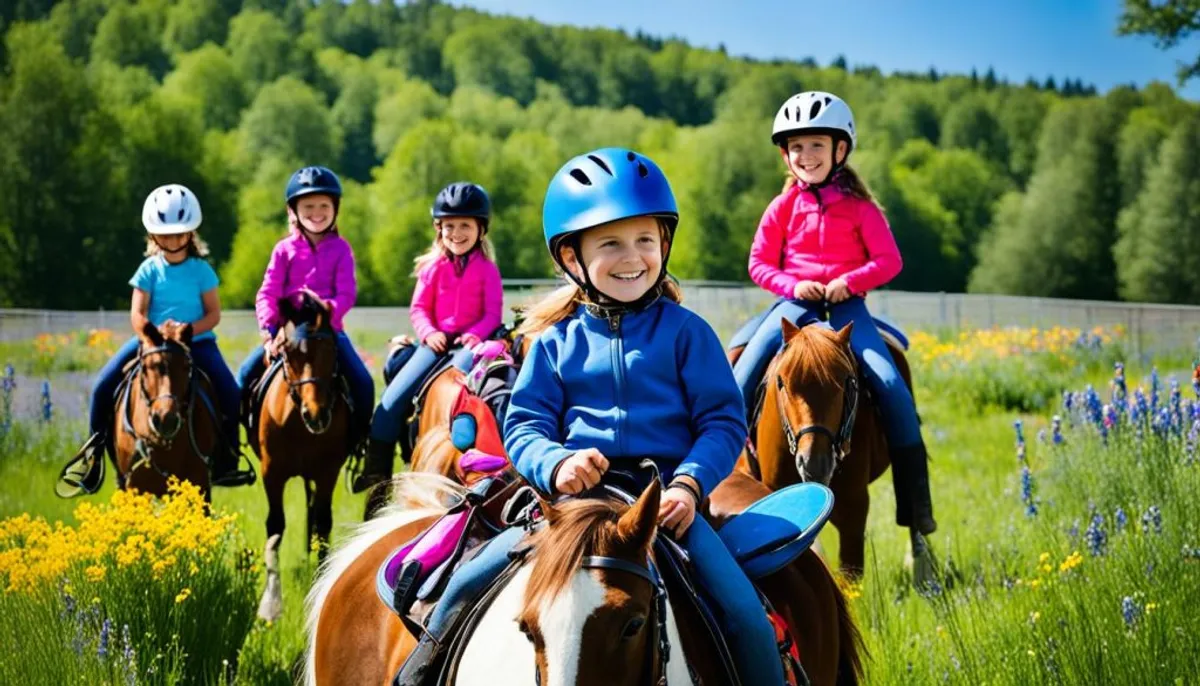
320	514
308	517
849	517
271	604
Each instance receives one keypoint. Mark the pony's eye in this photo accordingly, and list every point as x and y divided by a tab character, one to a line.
633	627
524	627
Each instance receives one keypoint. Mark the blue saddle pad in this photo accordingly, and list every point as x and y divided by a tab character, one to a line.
891	327
777	529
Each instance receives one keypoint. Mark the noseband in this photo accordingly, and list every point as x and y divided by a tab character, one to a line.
838	439
324	385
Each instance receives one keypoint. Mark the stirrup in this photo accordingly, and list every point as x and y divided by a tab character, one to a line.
84	473
235	477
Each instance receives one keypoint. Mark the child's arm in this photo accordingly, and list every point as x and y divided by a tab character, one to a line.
715	403
532	432
138	308
493	305
266	303
211	301
419	312
212	313
766	254
345	288
885	262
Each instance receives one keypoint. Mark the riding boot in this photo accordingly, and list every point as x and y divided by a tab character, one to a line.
910	479
378	467
225	470
84	473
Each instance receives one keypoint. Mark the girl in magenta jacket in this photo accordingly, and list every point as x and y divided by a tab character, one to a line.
312	260
821	246
458	302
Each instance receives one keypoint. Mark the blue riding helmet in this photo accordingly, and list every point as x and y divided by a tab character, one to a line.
603	186
310	180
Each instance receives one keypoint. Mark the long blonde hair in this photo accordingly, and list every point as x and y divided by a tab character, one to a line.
847	180
196	247
436	249
563	302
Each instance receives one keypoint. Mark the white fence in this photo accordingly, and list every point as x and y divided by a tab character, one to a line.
1150	328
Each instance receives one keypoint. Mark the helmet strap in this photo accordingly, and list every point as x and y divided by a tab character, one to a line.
600	304
186	245
836	167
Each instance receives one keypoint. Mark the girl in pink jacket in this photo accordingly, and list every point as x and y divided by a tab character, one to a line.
313	260
458	302
821	246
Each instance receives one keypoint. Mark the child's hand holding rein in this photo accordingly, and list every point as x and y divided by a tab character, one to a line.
580	471
677	509
809	290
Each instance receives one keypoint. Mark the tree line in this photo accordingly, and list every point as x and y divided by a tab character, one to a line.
1031	188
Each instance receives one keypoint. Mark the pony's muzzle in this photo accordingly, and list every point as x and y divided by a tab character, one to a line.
319	422
166	424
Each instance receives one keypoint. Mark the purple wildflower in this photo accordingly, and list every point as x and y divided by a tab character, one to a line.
1096	537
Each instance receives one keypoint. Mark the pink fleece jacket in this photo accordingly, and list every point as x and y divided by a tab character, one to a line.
801	239
457	299
328	270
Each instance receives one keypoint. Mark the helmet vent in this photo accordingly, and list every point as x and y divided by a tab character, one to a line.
600	163
630	156
814	110
581	177
642	170
828	100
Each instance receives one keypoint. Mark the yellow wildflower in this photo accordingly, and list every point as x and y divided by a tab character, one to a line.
1073	561
183	595
95	573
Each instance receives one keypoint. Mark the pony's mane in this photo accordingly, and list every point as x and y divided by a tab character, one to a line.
414	496
581	527
814	356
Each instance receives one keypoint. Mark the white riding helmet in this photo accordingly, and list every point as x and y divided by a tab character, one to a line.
171	209
815	112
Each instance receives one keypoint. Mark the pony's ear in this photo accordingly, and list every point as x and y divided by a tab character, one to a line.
321	314
287	309
151	334
638	525
789	330
547	509
843	334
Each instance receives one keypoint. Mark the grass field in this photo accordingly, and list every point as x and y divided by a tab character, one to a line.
1077	563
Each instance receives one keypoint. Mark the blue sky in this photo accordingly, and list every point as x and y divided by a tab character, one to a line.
1019	38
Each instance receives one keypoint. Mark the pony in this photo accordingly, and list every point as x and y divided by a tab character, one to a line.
811	413
164	420
302	431
582	608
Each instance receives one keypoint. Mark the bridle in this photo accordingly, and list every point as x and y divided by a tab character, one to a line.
839	439
324	385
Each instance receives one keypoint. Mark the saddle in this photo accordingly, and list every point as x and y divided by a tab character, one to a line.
490	379
766	536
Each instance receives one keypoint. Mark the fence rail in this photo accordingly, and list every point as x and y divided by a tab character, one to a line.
1150	327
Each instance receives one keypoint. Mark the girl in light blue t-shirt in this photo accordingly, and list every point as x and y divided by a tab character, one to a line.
174	285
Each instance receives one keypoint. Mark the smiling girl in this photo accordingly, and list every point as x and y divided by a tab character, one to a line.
821	246
313	260
457	303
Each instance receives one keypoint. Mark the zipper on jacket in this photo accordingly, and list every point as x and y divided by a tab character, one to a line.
616	345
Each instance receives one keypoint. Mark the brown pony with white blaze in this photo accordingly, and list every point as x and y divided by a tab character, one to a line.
581	611
302	432
807	425
161	427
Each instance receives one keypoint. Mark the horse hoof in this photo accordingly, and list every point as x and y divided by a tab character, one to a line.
271	605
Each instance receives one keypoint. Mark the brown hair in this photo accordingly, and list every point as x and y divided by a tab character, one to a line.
196	247
846	179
